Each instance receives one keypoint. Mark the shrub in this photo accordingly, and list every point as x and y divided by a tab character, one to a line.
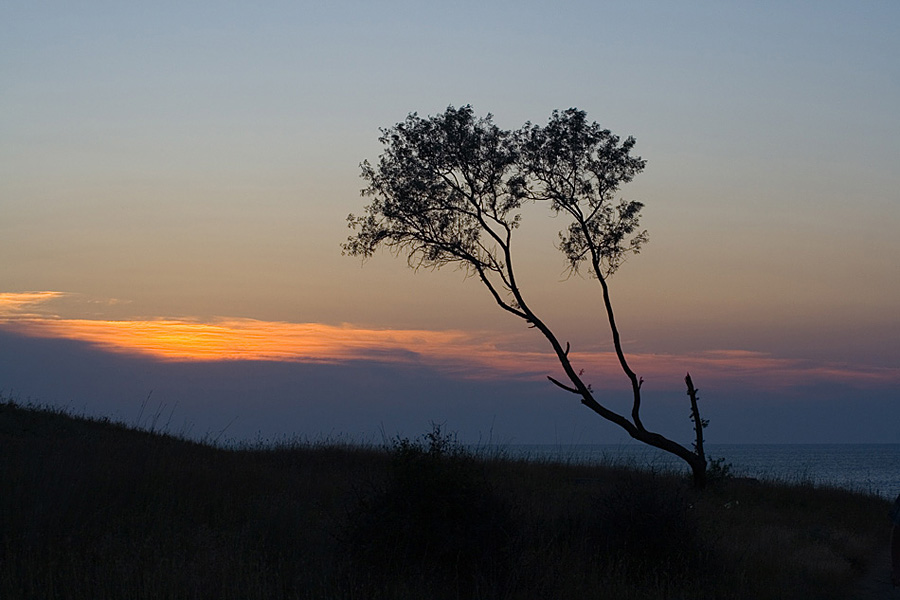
718	470
435	519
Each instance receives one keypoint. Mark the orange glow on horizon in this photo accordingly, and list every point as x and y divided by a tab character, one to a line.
474	355
248	339
471	355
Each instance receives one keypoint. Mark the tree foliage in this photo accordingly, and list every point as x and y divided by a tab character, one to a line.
449	190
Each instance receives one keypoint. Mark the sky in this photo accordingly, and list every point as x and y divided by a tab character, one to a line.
175	180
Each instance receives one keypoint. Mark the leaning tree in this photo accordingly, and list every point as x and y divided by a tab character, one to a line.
448	190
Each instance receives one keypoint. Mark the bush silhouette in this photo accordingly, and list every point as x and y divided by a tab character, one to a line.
435	519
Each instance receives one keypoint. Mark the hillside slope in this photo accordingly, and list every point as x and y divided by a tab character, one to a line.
94	509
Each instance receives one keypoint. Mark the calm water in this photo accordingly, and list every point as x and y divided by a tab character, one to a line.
872	468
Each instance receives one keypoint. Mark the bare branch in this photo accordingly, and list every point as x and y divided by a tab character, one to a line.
564	386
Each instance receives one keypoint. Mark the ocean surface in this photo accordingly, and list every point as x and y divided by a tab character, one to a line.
870	468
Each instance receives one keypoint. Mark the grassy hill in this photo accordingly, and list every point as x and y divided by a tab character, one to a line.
94	509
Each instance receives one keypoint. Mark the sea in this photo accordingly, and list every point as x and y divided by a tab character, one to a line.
869	468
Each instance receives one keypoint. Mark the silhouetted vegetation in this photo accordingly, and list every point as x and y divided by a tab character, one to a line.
440	517
91	509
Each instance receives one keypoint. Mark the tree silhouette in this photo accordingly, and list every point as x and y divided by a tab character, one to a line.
448	190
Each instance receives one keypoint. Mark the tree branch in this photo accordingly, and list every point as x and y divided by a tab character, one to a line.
497	298
564	386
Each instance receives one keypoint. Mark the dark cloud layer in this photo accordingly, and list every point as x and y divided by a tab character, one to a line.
363	400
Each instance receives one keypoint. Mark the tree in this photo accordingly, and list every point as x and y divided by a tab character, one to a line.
448	190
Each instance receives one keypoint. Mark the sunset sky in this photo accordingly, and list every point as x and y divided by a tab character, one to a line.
175	180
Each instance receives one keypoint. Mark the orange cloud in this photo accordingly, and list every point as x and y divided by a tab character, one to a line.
248	339
482	354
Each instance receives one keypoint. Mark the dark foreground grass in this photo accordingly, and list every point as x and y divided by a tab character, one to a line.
92	509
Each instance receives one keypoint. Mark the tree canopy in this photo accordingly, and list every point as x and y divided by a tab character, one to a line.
448	190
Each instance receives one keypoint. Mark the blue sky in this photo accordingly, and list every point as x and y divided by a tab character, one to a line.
196	162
